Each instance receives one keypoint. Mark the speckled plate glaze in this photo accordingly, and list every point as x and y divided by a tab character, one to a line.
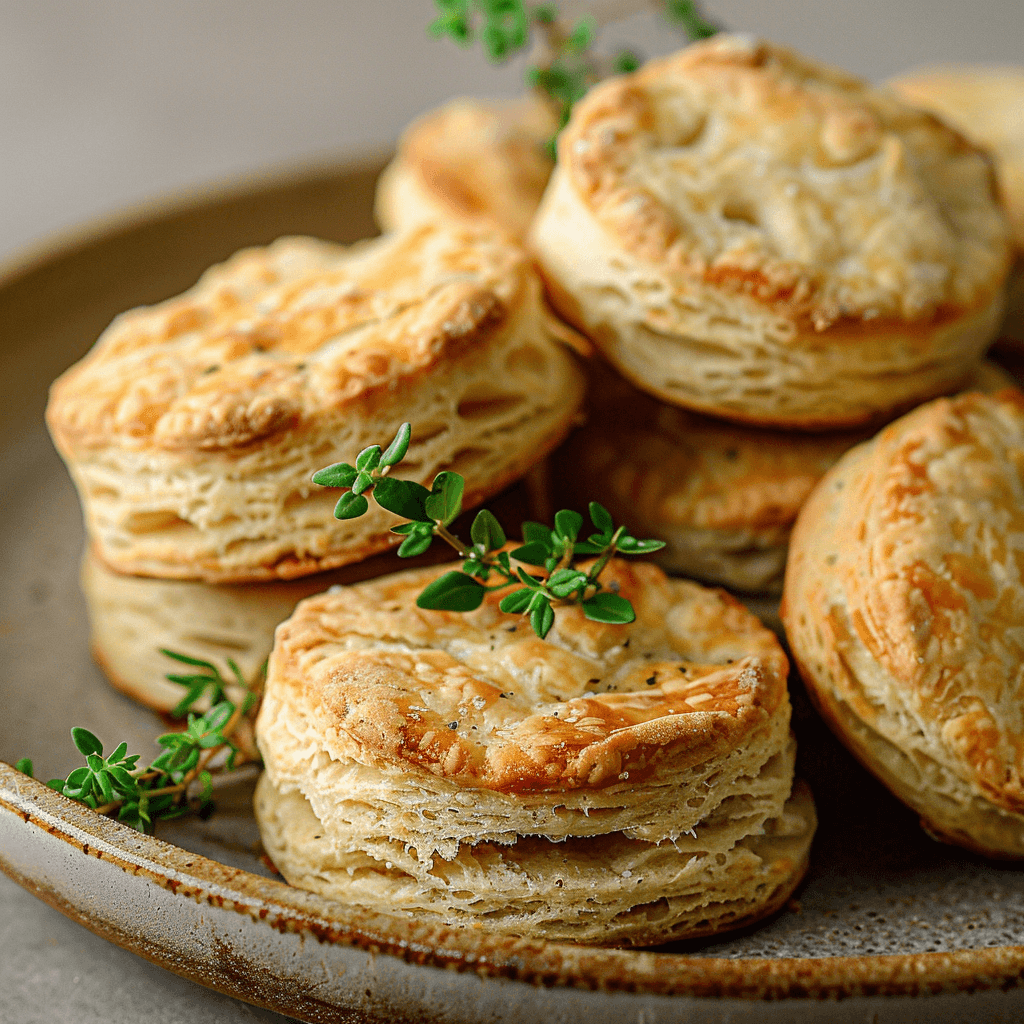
888	925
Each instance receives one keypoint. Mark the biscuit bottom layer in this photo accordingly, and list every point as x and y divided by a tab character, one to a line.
609	889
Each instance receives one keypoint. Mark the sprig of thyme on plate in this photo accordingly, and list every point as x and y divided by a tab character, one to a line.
181	778
430	513
564	63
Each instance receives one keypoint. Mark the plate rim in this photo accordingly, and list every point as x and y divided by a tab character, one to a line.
535	962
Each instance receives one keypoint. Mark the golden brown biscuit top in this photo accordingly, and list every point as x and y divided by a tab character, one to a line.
276	335
745	166
987	105
481	701
934	575
483	159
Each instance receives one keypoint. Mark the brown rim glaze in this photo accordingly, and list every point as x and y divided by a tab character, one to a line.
281	908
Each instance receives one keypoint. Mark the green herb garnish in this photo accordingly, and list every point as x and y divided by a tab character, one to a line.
431	511
181	778
565	63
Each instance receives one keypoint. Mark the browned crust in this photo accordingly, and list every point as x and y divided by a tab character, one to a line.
251	352
471	159
904	572
837	718
834	120
371	699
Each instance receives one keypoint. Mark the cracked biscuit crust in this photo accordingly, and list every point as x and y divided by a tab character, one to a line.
192	427
388	681
758	236
903	601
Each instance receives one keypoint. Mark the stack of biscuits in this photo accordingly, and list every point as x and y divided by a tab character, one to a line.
610	784
770	259
193	427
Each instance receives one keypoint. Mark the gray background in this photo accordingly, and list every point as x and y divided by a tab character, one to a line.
105	104
109	105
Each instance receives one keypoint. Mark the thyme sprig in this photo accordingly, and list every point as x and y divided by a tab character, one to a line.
180	779
430	513
564	63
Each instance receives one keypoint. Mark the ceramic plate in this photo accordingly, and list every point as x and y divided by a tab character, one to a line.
888	926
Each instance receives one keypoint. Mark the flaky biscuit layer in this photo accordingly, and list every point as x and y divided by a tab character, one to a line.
903	605
470	160
605	890
412	713
456	764
723	497
192	428
757	236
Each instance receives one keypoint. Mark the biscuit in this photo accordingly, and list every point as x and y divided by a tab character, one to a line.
459	766
750	234
470	160
987	105
192	428
133	619
722	496
903	604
